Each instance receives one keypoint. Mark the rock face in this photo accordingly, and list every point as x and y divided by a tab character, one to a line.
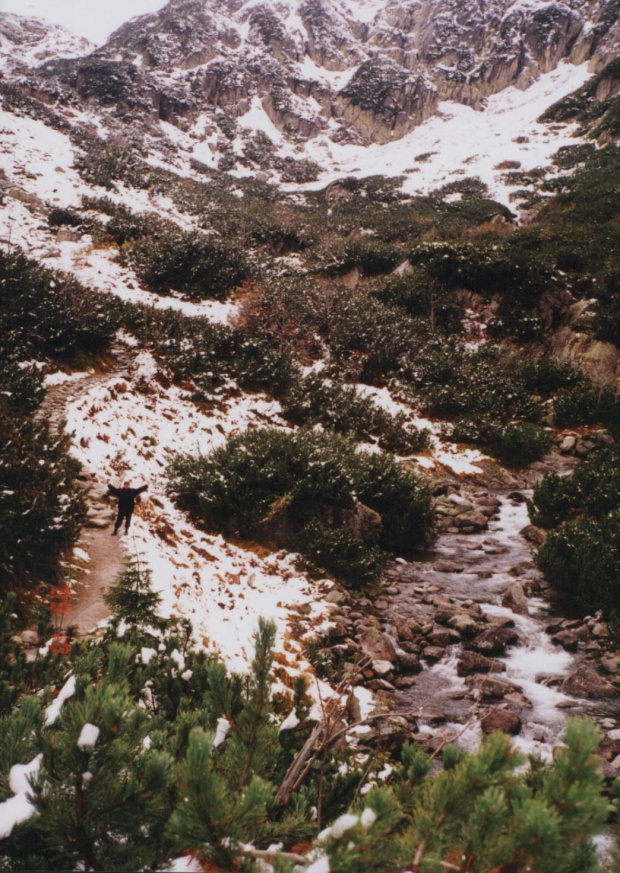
360	71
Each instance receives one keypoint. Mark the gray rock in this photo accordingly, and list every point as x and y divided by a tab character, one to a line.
475	520
567	639
585	682
504	720
474	662
376	645
514	598
495	640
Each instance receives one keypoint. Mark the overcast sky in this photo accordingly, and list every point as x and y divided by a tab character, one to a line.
94	19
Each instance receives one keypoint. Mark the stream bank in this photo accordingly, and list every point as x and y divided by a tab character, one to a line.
467	638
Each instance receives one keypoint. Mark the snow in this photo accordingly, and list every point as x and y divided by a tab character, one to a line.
342	824
186	864
368	817
147	654
88	737
321	865
465	142
53	710
290	722
19	808
256	118
223	726
61	378
222	588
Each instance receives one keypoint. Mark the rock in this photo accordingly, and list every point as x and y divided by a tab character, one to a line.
517	497
600	630
464	625
567	639
533	534
473	662
500	620
402	629
609	770
440	637
376	645
568	444
504	720
492	688
514	598
475	520
65	235
585	682
614	734
382	668
336	596
515	698
448	567
495	640
550	680
433	653
405	681
408	662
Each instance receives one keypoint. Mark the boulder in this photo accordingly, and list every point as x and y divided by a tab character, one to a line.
514	598
533	534
585	682
473	662
492	688
408	663
504	720
441	637
464	625
382	668
475	520
569	640
376	645
433	653
495	640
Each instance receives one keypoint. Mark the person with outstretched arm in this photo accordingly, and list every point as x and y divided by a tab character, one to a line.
126	503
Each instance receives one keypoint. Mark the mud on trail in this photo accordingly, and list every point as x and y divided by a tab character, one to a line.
98	558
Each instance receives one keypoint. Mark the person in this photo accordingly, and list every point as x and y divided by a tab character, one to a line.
126	503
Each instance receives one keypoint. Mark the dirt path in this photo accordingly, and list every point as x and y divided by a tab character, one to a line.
106	556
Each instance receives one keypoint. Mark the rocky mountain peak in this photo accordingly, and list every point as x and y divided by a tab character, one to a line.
26	42
354	71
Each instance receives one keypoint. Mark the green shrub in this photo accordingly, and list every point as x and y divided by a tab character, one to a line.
313	400
424	297
521	444
41	506
582	560
200	266
552	501
58	217
49	313
593	490
340	552
585	403
290	479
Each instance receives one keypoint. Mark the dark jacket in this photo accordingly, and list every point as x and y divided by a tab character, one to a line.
126	496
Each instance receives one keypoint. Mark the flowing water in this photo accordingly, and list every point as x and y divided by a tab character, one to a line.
486	559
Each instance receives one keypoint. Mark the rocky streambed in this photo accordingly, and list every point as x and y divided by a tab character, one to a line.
466	639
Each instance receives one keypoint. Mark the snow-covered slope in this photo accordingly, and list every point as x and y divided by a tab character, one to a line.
27	42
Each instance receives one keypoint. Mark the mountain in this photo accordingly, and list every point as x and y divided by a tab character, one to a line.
355	71
27	42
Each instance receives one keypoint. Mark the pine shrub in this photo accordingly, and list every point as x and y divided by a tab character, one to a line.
195	264
267	481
